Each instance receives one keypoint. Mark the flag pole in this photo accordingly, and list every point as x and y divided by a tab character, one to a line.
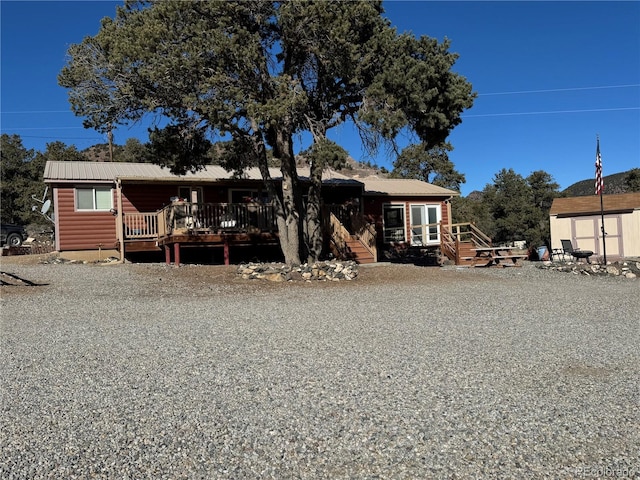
604	238
599	190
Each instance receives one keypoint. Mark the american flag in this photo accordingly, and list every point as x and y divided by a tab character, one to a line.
599	182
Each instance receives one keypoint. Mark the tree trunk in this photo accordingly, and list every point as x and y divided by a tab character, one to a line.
289	224
287	217
313	223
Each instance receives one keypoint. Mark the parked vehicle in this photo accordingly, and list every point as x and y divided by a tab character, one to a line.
12	235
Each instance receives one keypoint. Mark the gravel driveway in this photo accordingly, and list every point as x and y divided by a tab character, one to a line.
150	372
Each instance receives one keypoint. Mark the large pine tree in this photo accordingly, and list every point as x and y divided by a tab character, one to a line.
259	73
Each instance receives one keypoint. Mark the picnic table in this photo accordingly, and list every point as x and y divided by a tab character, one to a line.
494	256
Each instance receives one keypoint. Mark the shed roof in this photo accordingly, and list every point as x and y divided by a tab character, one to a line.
405	187
60	171
590	204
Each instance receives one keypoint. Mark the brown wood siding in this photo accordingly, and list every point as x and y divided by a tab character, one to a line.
446	206
146	198
82	230
150	197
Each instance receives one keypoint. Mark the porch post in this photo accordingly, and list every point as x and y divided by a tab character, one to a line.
226	250
176	254
120	220
167	254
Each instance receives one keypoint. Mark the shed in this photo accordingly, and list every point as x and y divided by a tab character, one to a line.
579	219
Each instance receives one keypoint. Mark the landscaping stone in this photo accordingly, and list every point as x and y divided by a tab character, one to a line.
319	271
621	269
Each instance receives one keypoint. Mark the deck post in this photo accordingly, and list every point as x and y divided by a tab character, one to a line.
176	254
226	250
120	219
167	254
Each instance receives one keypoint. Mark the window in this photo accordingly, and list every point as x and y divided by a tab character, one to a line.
191	194
96	198
424	224
393	223
248	196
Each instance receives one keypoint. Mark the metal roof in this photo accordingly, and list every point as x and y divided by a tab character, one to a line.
108	172
590	204
56	171
61	172
375	186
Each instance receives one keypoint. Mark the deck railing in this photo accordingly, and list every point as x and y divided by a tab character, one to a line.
338	235
452	235
141	225
365	232
182	217
425	235
344	222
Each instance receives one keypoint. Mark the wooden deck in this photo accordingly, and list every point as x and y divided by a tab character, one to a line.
187	225
467	246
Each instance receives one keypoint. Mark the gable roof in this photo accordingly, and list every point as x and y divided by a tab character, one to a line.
403	187
108	172
57	171
590	204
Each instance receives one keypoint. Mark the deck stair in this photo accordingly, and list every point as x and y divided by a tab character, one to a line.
357	251
466	245
458	241
356	243
465	253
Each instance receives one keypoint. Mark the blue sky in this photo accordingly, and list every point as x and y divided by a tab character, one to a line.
550	77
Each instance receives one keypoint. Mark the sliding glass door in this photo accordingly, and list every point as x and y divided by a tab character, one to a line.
424	224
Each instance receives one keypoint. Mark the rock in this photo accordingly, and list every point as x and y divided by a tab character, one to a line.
321	271
611	270
274	277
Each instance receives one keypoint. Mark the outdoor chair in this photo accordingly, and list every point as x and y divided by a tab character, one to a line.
567	249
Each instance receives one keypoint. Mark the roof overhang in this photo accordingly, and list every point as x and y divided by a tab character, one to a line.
590	214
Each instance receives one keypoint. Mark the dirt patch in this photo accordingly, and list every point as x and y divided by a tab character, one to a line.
203	276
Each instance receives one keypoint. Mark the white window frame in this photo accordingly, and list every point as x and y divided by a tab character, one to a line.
433	238
395	237
94	198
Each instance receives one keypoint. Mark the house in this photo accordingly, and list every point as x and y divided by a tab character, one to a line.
406	211
579	219
123	209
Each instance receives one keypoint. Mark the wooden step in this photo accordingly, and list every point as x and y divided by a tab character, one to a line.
360	253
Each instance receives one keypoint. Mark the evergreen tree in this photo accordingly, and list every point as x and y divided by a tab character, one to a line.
520	207
431	165
260	73
632	180
23	177
16	175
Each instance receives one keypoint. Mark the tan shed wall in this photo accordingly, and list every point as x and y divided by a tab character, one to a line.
623	233
631	229
560	229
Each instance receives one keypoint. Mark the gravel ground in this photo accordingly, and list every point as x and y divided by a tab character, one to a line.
150	372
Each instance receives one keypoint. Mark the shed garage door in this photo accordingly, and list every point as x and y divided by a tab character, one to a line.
586	234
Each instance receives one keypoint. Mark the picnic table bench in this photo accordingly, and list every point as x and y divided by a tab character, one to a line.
493	256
